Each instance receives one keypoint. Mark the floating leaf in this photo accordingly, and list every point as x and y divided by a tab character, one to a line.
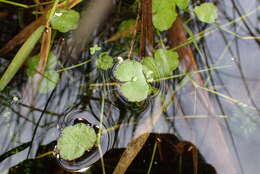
75	140
164	14
128	70
48	82
135	91
135	88
182	3
163	64
104	61
206	12
33	62
65	20
94	49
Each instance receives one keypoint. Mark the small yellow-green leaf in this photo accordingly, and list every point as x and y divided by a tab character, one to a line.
65	20
20	57
182	3
104	61
75	140
94	49
206	12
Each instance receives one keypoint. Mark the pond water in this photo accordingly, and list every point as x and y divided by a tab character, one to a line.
219	117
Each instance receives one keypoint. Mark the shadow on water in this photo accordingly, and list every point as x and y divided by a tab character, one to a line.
189	135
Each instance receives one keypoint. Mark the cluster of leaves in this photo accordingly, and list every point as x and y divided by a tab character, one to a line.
135	77
75	140
104	61
63	20
164	12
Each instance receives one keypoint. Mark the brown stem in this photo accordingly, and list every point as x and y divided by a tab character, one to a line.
146	42
217	147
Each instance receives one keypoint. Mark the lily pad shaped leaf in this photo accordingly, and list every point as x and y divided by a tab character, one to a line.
163	63
206	12
183	4
104	61
65	20
135	88
75	140
164	14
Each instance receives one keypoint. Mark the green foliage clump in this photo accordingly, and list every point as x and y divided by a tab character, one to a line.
75	140
136	76
164	12
65	20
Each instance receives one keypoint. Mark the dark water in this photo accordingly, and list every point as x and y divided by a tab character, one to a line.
224	129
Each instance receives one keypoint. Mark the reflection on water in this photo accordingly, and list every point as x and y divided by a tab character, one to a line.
221	119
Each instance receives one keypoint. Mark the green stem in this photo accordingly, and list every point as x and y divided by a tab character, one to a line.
191	73
74	66
14	3
152	159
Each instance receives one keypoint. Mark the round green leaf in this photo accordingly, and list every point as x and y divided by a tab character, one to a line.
206	12
65	20
128	70
75	140
48	82
182	3
135	91
105	61
164	14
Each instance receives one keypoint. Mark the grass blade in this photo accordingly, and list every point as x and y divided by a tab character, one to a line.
20	57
